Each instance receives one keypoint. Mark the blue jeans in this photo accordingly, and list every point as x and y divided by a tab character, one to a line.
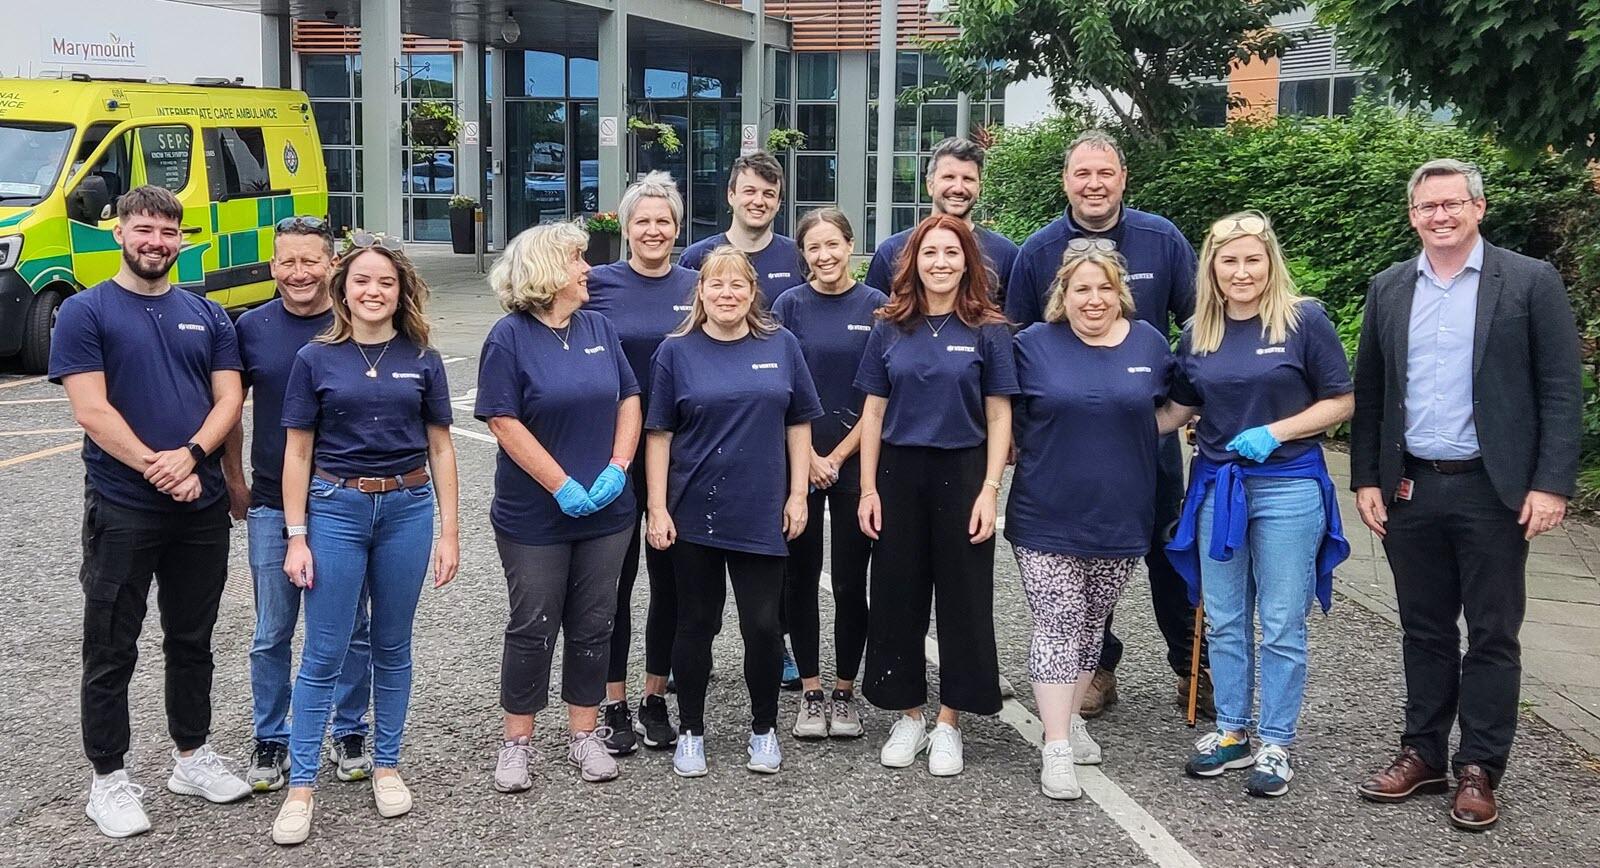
376	542
277	610
1274	579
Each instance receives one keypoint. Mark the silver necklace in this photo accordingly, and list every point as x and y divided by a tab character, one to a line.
372	366
935	329
559	337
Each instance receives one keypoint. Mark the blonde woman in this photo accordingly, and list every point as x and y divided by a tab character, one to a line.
557	393
1260	532
1083	499
358	501
727	455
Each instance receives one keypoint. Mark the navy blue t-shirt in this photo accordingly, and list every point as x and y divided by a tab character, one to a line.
999	252
643	309
1161	268
568	399
1249	382
269	338
157	354
367	426
1085	423
833	332
728	404
779	265
936	384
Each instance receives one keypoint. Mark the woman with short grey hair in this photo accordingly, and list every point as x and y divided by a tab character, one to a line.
557	393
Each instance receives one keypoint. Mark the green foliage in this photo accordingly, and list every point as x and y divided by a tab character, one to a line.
783	139
1142	48
661	135
1529	71
439	126
859	269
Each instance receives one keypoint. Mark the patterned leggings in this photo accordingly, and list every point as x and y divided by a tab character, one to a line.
1070	599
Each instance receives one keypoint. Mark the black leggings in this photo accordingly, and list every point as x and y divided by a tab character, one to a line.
702	591
923	557
852	550
661	619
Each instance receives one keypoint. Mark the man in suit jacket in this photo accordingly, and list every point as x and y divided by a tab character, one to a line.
1464	447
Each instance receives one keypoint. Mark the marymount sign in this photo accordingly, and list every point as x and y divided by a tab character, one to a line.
109	49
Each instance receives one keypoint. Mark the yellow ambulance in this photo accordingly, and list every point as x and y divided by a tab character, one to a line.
239	158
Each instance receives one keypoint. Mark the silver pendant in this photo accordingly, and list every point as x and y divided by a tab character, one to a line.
373	373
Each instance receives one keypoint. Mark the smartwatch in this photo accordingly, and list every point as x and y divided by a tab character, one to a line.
196	450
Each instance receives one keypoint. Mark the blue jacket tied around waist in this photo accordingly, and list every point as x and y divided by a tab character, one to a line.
1230	514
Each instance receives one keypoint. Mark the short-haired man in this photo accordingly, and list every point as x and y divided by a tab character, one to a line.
954	183
269	338
755	195
152	373
1161	275
1464	446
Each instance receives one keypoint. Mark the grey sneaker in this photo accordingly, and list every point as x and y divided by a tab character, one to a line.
269	767
587	751
1085	750
812	719
511	766
350	759
846	721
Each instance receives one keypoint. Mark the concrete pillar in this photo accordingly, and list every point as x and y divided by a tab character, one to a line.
381	116
500	190
885	149
964	115
851	166
613	104
277	51
755	87
469	103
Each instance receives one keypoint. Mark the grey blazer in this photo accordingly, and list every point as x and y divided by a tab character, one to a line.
1527	384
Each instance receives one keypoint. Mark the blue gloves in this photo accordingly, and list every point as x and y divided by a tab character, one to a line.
609	484
1255	444
574	501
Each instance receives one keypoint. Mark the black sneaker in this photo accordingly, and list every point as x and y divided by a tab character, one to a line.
618	718
268	768
350	760
654	725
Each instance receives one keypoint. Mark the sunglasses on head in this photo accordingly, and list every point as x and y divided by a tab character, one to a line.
303	226
1083	244
1249	224
365	240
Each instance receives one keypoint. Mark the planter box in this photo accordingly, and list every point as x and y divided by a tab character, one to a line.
604	248
462	235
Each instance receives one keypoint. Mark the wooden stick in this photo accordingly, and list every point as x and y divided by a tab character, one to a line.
1194	662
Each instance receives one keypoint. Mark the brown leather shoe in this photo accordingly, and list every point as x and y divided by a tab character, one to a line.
1473	808
1406	776
1205	704
1102	694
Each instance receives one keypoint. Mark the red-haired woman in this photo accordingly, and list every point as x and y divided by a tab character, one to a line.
935	429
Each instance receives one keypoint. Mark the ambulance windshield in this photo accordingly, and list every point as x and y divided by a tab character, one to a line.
31	156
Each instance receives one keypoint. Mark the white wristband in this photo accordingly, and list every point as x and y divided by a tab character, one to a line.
294	530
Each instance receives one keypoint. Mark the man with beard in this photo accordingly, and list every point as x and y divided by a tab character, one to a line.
269	338
954	183
1161	275
152	373
755	194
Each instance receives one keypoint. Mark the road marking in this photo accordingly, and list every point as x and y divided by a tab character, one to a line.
34	456
473	435
456	359
24	382
34	401
40	431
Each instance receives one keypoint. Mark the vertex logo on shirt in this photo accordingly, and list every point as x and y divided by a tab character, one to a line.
764	366
190	327
1142	275
682	308
592	350
858	327
406	375
1139	369
1265	350
958	348
772	274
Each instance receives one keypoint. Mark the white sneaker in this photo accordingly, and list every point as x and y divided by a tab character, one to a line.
944	752
1085	751
205	773
1058	777
114	805
907	738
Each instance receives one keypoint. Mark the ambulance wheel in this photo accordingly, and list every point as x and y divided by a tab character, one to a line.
36	331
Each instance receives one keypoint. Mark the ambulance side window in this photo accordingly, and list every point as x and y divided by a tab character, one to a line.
166	152
236	160
116	166
92	137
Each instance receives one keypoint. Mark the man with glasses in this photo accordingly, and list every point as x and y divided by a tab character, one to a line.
1161	276
1464	447
269	338
954	183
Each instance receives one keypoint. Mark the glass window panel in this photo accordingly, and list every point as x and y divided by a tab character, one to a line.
433	76
584	78
781	114
341	212
430	219
715	75
341	170
325	75
905	180
536	153
1308	97
713	146
933	71
905	128
818	75
872	74
997	114
1210	105
651	157
869	232
905	72
820	123
1346	90
333	123
780	74
666	84
355	125
814	178
537	74
938	123
355	82
872	178
586	152
903	219
431	173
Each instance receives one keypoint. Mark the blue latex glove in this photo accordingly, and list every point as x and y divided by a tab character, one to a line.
574	501
609	484
1255	444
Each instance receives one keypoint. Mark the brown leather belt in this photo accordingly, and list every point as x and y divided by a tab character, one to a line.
378	484
1445	467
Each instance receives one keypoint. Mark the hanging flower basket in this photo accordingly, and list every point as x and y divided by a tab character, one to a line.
433	125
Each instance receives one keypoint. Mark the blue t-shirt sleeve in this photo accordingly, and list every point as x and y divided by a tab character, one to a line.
224	341
804	405
627	383
1182	389
663	415
1022	302
878	272
436	397
999	363
1180	302
692	257
872	376
781	305
499	389
1327	369
300	406
1168	368
75	342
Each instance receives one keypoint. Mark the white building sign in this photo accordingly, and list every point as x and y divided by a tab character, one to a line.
109	49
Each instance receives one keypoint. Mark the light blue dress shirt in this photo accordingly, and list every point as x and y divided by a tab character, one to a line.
1439	423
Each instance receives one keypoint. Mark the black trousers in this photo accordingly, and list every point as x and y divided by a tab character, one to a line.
757	589
1455	548
1169	596
852	550
186	553
661	618
923	558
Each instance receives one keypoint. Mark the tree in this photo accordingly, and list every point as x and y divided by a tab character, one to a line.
1146	49
1527	71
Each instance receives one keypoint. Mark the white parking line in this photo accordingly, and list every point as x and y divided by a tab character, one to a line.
38	431
473	435
14	383
34	401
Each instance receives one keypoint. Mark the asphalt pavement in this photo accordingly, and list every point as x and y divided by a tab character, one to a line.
832	804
